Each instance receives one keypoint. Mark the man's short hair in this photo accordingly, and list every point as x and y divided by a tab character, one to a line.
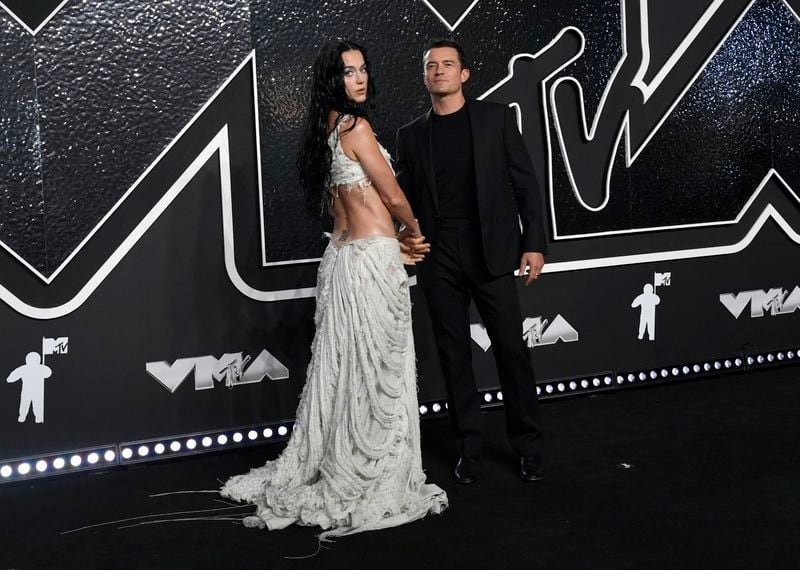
447	43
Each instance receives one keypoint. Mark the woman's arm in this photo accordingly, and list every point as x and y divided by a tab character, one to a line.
361	142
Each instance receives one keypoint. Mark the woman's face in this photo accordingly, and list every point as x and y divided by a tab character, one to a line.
355	75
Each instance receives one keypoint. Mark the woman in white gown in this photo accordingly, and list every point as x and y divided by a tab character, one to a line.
353	462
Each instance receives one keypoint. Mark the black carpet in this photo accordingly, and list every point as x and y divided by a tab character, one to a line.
691	475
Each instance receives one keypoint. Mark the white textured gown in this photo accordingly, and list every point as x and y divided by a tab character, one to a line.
353	461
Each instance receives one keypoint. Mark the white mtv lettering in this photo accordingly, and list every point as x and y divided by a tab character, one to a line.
58	345
662	279
533	330
776	301
208	369
772	302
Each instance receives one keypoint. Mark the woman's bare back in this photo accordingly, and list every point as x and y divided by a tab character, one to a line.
357	207
358	213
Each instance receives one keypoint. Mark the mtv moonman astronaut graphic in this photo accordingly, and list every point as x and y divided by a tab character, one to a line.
647	302
32	375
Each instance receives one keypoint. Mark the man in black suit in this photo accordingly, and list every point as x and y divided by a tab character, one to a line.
468	176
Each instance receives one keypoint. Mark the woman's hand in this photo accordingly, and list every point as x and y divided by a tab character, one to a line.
413	248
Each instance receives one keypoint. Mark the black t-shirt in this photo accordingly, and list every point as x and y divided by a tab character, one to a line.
453	165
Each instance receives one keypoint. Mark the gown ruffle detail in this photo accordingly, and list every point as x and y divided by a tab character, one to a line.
353	462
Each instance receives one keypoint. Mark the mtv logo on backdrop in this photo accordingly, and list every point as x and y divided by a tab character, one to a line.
230	368
532	330
662	279
775	301
55	345
536	331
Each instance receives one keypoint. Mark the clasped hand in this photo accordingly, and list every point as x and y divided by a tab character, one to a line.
413	247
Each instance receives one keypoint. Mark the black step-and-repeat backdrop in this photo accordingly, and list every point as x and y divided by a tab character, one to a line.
157	266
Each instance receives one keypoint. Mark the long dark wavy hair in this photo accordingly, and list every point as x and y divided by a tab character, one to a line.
327	93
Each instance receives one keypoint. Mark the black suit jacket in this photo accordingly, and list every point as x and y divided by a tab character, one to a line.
504	180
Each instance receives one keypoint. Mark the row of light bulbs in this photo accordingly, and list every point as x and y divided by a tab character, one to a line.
154	448
58	463
617	380
134	452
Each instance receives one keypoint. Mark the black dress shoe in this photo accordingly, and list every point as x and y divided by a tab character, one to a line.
466	471
531	467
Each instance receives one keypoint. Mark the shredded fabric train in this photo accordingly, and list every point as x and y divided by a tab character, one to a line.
353	462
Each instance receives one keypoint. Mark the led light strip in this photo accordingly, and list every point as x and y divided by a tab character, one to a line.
571	386
58	463
617	380
773	358
202	442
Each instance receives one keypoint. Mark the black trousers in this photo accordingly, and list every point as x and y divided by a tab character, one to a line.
460	273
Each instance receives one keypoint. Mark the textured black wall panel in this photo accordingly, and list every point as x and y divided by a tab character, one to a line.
729	130
21	206
713	149
669	25
115	82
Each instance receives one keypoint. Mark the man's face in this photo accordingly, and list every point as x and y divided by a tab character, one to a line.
443	72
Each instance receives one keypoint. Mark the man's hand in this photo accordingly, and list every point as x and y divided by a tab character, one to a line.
413	248
535	261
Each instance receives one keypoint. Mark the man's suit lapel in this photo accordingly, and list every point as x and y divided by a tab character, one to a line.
426	154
